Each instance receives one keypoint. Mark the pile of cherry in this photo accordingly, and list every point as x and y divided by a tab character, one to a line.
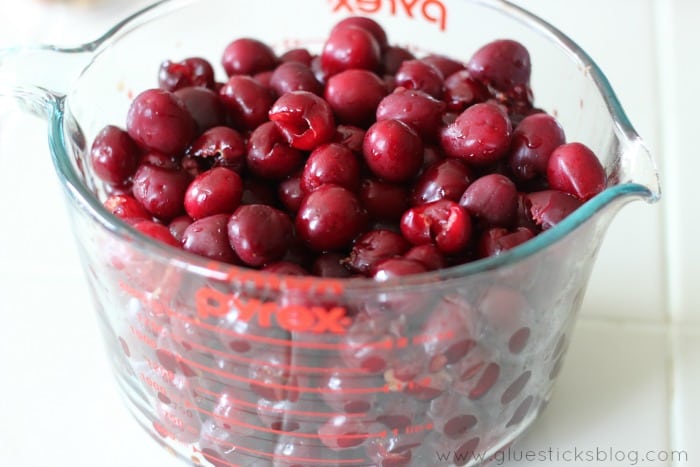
360	161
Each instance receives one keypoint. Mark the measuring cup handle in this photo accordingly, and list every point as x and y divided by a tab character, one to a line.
37	77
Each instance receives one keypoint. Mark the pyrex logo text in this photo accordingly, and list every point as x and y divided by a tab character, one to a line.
433	11
292	318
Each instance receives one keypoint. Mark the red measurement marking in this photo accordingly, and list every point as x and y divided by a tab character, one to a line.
418	428
385	344
234	421
143	337
221	442
273	282
161	371
324	415
324	320
293	43
432	11
214	302
149	324
150	382
292	318
179	423
423	338
161	430
282	386
141	296
294	368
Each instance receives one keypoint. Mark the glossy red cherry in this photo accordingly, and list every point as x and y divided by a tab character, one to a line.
415	108
350	47
290	193
392	268
216	191
368	24
114	155
330	218
305	119
248	56
534	139
420	76
503	64
204	105
361	161
393	57
445	65
384	200
498	240
158	120
208	237
161	191
294	76
480	135
299	55
550	207
493	199
331	164
393	151
444	223
354	95
444	179
373	247
573	168
126	207
193	71
462	91
259	234
157	232
220	146
428	255
270	156
246	101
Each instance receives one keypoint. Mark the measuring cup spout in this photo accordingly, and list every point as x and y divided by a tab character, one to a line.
38	77
637	167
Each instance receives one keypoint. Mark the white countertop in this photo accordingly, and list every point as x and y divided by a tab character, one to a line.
631	379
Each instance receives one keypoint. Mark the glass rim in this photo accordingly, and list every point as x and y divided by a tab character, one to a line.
81	196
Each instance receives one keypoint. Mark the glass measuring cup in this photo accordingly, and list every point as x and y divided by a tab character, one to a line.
234	367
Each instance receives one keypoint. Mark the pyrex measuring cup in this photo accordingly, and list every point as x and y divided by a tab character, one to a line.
229	366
